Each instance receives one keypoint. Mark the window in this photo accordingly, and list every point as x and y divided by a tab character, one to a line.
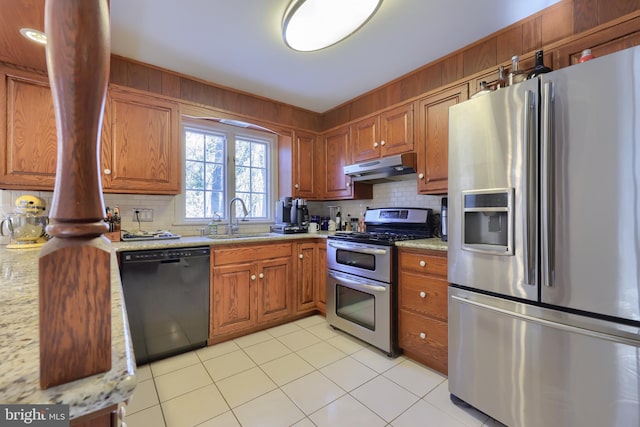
222	162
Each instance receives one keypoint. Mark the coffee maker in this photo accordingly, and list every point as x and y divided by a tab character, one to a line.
290	216
300	213
283	210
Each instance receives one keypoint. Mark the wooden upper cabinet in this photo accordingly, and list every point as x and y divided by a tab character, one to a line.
305	166
433	138
140	150
366	139
333	155
142	154
387	133
337	185
28	131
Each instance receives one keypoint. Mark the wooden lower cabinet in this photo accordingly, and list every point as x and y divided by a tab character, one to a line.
249	285
111	416
422	307
321	289
311	275
274	288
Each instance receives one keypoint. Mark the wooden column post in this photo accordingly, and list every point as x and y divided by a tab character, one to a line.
75	280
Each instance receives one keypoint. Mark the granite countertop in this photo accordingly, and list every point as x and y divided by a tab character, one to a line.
19	343
434	244
192	241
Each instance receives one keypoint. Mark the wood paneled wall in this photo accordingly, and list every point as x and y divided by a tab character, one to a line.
557	22
126	72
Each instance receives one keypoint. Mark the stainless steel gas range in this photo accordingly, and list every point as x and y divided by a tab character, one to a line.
362	277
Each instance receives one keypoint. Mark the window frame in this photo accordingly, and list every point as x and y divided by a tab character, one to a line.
232	134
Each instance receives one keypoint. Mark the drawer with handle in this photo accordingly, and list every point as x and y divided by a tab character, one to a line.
422	263
423	295
424	339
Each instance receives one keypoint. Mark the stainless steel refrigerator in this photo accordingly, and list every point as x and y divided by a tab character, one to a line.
544	248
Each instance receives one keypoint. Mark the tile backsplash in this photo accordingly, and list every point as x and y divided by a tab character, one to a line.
389	194
392	194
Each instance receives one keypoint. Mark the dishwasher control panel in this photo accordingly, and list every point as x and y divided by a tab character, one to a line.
159	255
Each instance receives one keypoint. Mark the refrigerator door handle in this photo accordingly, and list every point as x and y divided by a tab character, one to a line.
547	181
529	188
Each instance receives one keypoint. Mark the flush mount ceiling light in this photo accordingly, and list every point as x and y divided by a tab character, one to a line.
34	35
315	24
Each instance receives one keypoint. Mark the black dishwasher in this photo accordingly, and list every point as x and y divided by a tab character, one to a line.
166	294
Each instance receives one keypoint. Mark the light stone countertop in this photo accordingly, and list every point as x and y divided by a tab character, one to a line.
19	343
193	241
434	244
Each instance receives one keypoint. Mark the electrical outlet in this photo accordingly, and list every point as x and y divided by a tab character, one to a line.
142	215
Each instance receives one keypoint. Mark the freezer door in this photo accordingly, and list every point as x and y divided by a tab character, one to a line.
542	367
590	184
493	191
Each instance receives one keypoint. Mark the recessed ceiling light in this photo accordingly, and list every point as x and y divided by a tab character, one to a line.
315	24
34	35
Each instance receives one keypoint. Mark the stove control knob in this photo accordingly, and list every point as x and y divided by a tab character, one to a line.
423	294
423	336
423	263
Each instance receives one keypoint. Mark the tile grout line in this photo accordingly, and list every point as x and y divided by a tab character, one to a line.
321	339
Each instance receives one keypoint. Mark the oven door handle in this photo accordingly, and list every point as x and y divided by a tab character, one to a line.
368	251
358	284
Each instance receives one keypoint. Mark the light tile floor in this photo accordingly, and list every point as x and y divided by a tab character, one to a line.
299	374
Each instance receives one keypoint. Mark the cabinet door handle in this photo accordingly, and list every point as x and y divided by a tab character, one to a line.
421	175
423	263
261	276
300	256
348	184
296	186
107	171
423	336
375	145
382	142
253	277
423	294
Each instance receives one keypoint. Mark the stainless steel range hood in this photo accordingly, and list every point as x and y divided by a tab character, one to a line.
392	168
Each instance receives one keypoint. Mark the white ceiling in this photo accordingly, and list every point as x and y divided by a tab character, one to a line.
238	43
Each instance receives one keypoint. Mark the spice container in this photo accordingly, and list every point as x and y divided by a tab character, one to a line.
586	56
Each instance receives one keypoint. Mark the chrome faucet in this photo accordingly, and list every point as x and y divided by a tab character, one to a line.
236	227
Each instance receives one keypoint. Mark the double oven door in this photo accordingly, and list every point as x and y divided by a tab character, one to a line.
358	303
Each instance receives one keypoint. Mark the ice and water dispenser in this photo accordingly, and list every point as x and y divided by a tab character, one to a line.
488	221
